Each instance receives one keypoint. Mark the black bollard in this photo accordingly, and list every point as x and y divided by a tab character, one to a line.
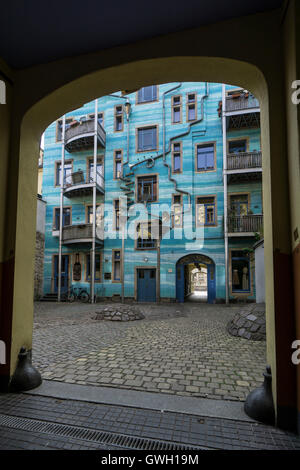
26	377
259	403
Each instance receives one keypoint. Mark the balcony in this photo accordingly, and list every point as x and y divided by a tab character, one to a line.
80	233
242	110
240	101
80	135
244	225
244	161
78	184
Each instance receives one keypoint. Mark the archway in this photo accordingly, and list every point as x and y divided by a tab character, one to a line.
184	285
43	104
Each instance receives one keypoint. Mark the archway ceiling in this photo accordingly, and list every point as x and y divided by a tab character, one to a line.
35	31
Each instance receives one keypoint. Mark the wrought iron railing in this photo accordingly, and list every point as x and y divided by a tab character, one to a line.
241	101
79	232
82	128
244	160
245	223
79	178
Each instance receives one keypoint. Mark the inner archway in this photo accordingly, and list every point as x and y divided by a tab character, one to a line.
195	279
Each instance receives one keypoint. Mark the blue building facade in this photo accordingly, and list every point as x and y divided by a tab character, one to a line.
170	150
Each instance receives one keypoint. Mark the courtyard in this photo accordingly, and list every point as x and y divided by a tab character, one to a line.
181	349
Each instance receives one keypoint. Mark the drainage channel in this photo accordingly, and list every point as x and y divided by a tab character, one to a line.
93	435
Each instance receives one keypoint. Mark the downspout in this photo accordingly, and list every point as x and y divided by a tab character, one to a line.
94	205
122	215
62	171
225	191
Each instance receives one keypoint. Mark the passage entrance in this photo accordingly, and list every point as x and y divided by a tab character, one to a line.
195	279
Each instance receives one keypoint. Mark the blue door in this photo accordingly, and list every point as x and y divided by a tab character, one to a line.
64	273
211	283
146	285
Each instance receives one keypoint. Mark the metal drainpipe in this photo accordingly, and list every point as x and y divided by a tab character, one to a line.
94	205
62	182
123	223
225	190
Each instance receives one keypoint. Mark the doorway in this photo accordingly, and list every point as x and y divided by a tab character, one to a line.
146	284
195	279
64	273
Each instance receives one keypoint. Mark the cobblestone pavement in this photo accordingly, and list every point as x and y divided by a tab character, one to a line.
181	349
37	422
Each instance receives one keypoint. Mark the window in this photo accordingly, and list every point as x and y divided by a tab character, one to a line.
177	210
147	188
89	214
176	109
66	217
147	138
97	267
191	107
240	275
205	157
59	128
205	210
99	169
118	159
239	204
116	265
236	146
116	214
118	118
176	157
144	236
147	94
100	118
68	167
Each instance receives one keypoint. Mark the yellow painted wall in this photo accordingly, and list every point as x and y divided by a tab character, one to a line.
210	53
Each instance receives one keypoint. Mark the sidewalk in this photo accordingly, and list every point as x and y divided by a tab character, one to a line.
34	421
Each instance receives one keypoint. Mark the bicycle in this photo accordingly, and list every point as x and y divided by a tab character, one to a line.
78	293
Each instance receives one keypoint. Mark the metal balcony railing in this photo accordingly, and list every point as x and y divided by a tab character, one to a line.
245	223
241	101
79	179
244	160
78	233
79	135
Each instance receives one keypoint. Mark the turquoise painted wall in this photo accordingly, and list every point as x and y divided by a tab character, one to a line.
209	242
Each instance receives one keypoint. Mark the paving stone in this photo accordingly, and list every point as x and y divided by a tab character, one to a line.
190	354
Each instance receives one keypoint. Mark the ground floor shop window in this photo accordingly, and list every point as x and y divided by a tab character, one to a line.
240	265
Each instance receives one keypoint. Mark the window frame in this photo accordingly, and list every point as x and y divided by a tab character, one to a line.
115	166
147	126
137	102
55	209
144	248
175	105
118	115
175	205
203	144
91	116
242	293
118	281
191	103
173	155
232	139
86	277
56	164
70	119
100	159
215	224
147	175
